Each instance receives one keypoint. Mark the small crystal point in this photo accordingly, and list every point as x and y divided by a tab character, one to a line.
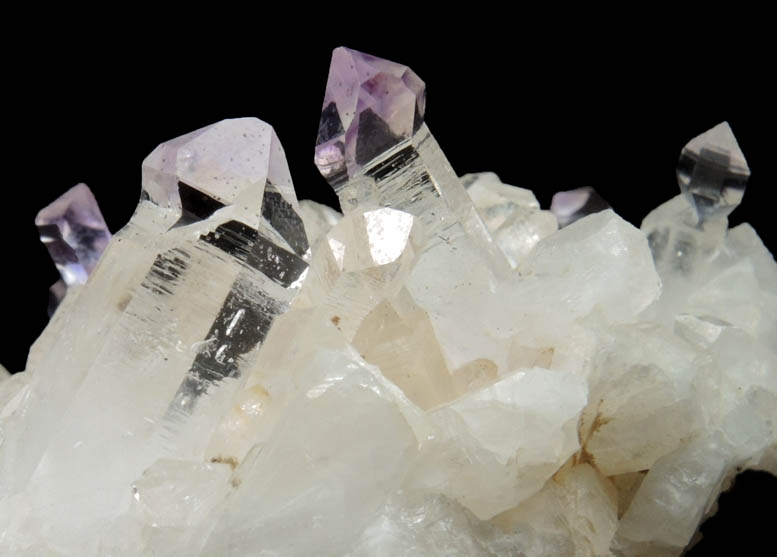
74	232
572	205
712	172
370	105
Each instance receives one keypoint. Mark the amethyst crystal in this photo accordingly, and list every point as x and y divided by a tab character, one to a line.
75	233
370	105
572	205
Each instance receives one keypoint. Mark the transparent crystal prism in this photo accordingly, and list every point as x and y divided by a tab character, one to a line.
375	151
713	173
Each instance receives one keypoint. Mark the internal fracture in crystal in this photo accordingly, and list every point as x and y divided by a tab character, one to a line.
444	369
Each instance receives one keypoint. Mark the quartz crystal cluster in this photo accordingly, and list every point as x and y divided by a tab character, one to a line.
442	369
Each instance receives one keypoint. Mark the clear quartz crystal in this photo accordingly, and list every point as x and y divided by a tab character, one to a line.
713	172
687	234
216	250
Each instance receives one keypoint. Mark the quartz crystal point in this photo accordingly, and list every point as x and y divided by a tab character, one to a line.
370	106
375	150
713	172
74	231
572	205
688	234
180	306
366	258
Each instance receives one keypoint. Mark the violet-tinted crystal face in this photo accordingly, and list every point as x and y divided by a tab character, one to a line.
199	173
75	233
370	105
572	205
712	172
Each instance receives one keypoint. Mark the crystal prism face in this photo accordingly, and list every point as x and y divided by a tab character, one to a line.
217	166
713	173
74	232
370	105
572	205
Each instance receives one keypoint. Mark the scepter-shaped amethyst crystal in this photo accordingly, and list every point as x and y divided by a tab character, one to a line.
370	105
375	150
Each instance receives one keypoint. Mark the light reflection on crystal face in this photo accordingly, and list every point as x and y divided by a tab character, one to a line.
319	390
338	251
235	320
387	232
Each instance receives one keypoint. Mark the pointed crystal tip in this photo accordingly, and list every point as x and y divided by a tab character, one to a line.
712	172
370	105
199	173
74	232
572	205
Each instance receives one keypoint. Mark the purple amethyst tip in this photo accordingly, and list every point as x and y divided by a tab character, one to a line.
370	105
74	231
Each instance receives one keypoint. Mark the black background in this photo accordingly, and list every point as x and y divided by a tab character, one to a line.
608	111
